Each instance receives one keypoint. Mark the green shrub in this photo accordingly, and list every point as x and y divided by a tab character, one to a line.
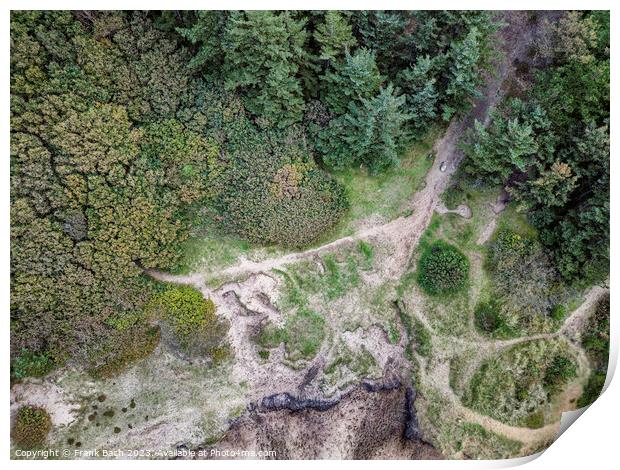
367	250
29	364
186	309
535	420
520	381
442	269
489	318
558	313
31	427
558	372
593	388
192	320
526	282
596	339
452	197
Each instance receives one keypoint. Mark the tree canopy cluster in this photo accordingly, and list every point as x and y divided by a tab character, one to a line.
551	148
362	83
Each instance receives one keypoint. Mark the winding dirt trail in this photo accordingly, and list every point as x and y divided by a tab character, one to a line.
404	233
438	376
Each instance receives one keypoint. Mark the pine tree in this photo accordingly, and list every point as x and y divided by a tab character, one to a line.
207	32
263	53
509	143
334	36
380	122
370	133
356	78
418	83
385	33
464	76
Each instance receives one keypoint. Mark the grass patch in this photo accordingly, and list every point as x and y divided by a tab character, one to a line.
460	365
393	332
421	338
359	363
476	442
368	253
461	440
304	279
388	193
210	248
348	367
302	334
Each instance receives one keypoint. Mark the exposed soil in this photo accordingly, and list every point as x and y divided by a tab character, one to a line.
364	425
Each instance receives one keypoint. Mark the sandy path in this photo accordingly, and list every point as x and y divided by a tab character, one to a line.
404	233
438	377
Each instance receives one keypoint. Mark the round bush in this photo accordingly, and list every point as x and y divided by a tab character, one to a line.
487	316
442	269
196	328
293	209
271	191
31	427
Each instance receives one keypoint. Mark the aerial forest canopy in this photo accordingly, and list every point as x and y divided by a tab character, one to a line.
550	146
130	128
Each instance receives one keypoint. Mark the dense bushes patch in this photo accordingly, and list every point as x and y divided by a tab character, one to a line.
517	385
31	427
442	269
529	293
104	178
273	193
596	343
191	318
136	343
